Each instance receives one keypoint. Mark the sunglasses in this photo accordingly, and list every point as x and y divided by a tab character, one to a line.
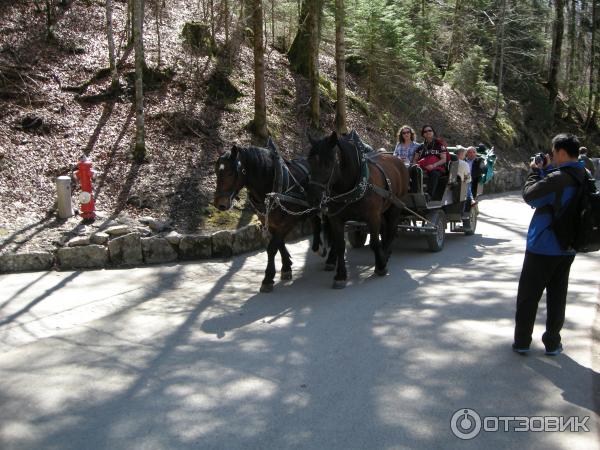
406	132
427	131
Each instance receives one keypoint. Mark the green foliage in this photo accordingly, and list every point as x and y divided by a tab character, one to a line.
467	76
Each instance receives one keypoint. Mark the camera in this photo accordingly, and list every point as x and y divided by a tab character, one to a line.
539	159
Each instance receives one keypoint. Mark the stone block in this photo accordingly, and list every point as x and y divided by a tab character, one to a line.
126	250
88	257
157	250
22	262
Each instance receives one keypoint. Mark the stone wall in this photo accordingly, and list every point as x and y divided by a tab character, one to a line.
128	246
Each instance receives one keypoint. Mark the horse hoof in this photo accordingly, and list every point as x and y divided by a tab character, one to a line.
339	284
329	267
381	272
266	287
287	275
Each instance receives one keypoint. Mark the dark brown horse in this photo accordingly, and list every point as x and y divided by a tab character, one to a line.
354	185
267	176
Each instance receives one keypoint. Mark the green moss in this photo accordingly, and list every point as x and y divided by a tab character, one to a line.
505	127
327	89
357	103
239	215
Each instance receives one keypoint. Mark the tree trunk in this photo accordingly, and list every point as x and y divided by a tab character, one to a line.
340	66
454	36
572	48
299	52
273	22
260	106
139	152
158	23
557	38
114	76
315	112
500	44
590	108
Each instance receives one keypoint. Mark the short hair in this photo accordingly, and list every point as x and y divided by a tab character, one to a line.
427	126
568	142
399	134
460	150
583	151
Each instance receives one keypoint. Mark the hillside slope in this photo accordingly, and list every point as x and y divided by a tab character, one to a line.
192	114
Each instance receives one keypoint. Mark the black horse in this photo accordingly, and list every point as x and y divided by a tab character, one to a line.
282	184
352	184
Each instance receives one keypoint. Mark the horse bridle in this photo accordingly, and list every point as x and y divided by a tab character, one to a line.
326	187
239	169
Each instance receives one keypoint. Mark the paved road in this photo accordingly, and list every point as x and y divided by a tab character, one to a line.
191	356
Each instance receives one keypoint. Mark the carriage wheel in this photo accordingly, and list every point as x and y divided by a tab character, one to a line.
357	238
435	242
470	224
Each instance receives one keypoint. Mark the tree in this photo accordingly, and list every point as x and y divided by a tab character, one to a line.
557	39
590	109
313	21
139	152
500	55
260	105
114	84
340	66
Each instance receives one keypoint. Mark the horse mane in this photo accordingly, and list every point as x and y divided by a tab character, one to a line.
259	159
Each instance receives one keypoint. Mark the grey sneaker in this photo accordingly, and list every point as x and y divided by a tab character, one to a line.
520	350
554	351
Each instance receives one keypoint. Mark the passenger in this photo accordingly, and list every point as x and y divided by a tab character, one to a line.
406	145
476	164
589	164
431	157
464	169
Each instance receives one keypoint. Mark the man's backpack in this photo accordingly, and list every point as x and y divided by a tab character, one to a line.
578	227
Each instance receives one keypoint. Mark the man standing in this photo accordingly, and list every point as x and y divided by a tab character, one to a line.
546	264
583	156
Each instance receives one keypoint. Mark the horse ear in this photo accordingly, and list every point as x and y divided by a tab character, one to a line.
271	145
333	139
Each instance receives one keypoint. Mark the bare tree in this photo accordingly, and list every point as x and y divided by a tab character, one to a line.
260	105
114	84
139	152
340	66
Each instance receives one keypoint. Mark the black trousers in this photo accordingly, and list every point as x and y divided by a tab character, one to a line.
542	272
434	177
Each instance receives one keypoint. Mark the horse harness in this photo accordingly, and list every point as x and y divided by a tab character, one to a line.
365	155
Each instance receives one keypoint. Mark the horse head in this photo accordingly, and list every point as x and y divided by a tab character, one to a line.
323	167
231	176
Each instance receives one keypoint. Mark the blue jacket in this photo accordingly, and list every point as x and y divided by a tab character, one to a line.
545	190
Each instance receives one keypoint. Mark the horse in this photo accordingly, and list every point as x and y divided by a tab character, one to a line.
282	183
352	183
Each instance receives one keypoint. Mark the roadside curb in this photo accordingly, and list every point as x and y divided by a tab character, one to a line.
121	246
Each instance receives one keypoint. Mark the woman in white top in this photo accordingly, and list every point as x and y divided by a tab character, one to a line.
405	144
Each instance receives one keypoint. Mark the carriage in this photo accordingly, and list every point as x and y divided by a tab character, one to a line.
449	207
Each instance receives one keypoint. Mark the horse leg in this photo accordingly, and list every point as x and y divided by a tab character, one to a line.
330	262
316	241
375	244
339	249
272	248
286	262
392	218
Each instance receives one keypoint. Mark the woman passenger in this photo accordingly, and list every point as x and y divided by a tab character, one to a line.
406	145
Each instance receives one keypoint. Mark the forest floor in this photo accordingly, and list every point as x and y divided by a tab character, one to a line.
45	126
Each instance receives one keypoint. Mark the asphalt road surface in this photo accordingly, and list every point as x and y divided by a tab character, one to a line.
191	356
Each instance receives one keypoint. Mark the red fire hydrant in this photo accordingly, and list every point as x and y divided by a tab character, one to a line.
85	173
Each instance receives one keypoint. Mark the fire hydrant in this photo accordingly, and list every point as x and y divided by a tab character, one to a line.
85	173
